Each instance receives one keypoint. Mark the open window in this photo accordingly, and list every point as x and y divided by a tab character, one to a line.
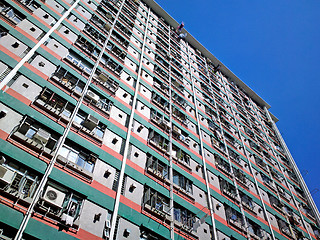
156	203
77	159
157	168
35	136
16	180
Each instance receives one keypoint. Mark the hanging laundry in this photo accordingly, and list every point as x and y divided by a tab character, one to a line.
180	27
182	36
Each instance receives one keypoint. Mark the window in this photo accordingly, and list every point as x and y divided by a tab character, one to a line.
35	135
78	157
228	189
75	60
155	166
54	104
246	201
22	182
155	202
183	216
235	218
10	13
181	156
254	229
62	203
68	80
183	182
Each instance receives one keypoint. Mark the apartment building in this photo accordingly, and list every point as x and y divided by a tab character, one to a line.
115	123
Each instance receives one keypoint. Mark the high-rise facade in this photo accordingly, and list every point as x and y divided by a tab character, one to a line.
116	124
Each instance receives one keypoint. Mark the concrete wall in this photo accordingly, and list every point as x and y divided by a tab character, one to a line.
87	218
126	225
137	156
11	120
26	88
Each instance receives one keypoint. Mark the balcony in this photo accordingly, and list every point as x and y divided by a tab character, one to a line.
241	178
158	141
229	190
160	120
126	21
89	127
107	15
156	204
181	157
111	65
100	24
10	14
284	228
247	202
79	65
54	105
261	163
120	39
182	184
218	144
268	181
179	116
106	82
77	159
60	205
183	218
254	230
116	51
178	134
30	5
133	5
235	157
222	165
176	84
110	5
16	182
235	219
123	29
157	168
35	137
129	13
162	103
276	204
179	100
68	82
161	86
94	34
163	63
100	104
161	73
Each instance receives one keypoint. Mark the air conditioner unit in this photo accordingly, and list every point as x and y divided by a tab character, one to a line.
54	196
103	77
165	209
91	122
92	96
6	175
42	136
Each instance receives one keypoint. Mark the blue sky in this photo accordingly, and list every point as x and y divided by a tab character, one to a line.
274	47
